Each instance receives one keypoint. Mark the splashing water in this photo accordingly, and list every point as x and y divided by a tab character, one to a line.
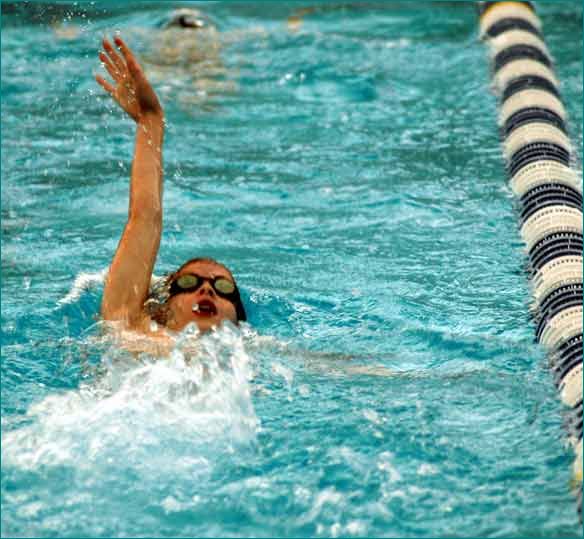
144	421
135	405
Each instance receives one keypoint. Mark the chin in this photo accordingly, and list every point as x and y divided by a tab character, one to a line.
208	325
204	325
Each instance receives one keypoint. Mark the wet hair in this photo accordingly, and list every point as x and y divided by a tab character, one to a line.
157	303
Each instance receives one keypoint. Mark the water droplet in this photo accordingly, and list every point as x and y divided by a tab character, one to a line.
427	469
284	372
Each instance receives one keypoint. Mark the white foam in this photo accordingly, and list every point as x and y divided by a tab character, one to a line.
83	282
89	281
159	417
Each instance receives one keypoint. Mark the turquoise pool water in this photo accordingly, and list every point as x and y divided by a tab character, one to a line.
348	170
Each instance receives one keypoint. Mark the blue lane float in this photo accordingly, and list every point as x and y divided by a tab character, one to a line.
539	161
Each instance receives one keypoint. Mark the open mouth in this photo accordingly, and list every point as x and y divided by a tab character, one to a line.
205	308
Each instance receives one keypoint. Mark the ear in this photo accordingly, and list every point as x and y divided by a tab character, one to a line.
161	313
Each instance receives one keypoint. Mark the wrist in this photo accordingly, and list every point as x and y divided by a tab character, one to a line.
151	119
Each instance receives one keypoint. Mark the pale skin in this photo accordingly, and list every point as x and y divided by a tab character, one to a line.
128	280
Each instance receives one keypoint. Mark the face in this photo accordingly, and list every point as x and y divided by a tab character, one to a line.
203	306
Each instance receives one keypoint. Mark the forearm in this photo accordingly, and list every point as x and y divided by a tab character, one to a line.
128	281
147	176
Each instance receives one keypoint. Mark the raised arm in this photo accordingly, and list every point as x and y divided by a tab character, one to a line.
128	279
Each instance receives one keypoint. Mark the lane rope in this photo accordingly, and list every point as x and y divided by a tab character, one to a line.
540	164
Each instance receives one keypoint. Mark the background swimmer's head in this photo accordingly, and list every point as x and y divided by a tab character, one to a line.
187	37
205	303
188	19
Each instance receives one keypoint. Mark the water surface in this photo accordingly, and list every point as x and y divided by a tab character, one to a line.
348	170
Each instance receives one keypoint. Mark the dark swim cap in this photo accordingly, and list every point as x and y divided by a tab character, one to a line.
187	18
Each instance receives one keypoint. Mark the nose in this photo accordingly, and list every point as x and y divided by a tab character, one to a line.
207	289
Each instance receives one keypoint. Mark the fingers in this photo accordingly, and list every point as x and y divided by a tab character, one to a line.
131	61
115	58
117	66
124	48
109	66
105	84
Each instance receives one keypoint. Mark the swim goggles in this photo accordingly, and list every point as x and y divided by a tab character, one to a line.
191	282
187	21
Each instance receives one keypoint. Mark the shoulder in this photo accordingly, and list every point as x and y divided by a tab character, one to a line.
144	336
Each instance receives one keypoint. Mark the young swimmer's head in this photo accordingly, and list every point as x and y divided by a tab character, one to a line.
202	291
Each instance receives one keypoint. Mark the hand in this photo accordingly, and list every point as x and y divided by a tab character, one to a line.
132	90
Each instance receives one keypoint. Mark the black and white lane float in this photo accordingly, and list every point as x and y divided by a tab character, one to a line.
540	166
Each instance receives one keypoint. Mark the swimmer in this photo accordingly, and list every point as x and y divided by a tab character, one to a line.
182	55
187	37
202	291
189	18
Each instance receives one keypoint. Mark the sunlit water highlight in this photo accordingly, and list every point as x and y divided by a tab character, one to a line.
349	171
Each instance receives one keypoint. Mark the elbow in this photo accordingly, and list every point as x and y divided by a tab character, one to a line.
112	313
150	216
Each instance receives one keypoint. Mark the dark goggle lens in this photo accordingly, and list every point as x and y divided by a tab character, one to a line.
190	281
224	286
187	281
